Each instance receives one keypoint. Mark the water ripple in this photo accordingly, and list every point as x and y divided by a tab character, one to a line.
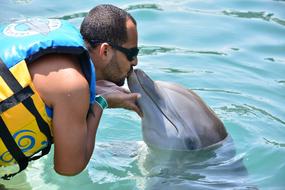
246	109
151	6
270	59
22	1
184	71
255	15
129	8
173	70
266	114
154	50
282	145
72	16
216	90
240	14
281	82
239	109
274	60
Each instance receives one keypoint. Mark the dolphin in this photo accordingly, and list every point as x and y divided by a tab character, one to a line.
174	118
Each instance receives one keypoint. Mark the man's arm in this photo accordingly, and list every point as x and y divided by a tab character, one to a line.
74	128
62	86
73	152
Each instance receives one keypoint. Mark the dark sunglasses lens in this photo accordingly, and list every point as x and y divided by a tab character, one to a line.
133	52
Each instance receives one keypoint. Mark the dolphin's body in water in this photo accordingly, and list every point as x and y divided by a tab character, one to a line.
174	118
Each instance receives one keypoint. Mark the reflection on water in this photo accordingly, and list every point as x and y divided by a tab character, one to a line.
216	90
184	71
248	110
278	144
72	16
144	6
265	113
281	81
126	163
173	70
257	15
249	14
129	8
155	50
241	110
22	1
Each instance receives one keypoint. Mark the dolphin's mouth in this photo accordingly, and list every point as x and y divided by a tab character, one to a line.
149	88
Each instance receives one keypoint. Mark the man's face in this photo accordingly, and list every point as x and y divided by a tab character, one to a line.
118	68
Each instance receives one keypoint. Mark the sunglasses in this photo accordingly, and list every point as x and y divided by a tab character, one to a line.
130	53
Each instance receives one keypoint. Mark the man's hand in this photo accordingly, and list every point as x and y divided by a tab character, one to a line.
118	97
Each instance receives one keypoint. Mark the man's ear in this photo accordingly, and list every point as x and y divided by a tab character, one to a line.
105	51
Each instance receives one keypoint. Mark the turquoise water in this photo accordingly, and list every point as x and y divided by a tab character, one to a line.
229	52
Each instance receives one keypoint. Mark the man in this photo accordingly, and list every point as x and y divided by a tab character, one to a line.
111	35
65	87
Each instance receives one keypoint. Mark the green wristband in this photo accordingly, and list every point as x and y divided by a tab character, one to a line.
101	101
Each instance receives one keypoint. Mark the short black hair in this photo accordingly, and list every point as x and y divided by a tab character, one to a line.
106	23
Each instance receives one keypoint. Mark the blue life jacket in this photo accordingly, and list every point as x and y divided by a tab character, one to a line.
21	43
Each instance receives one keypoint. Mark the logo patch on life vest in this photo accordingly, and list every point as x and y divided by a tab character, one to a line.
29	27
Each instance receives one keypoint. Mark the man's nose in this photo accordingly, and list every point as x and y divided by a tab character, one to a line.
134	62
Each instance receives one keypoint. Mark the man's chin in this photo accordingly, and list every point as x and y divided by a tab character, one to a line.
120	83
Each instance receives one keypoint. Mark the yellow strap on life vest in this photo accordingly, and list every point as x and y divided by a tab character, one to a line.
21	123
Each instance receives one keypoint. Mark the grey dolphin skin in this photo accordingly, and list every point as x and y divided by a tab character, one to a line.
174	118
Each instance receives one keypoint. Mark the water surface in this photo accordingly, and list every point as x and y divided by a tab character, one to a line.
229	52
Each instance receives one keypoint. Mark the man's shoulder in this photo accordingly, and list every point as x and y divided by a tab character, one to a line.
56	75
53	62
